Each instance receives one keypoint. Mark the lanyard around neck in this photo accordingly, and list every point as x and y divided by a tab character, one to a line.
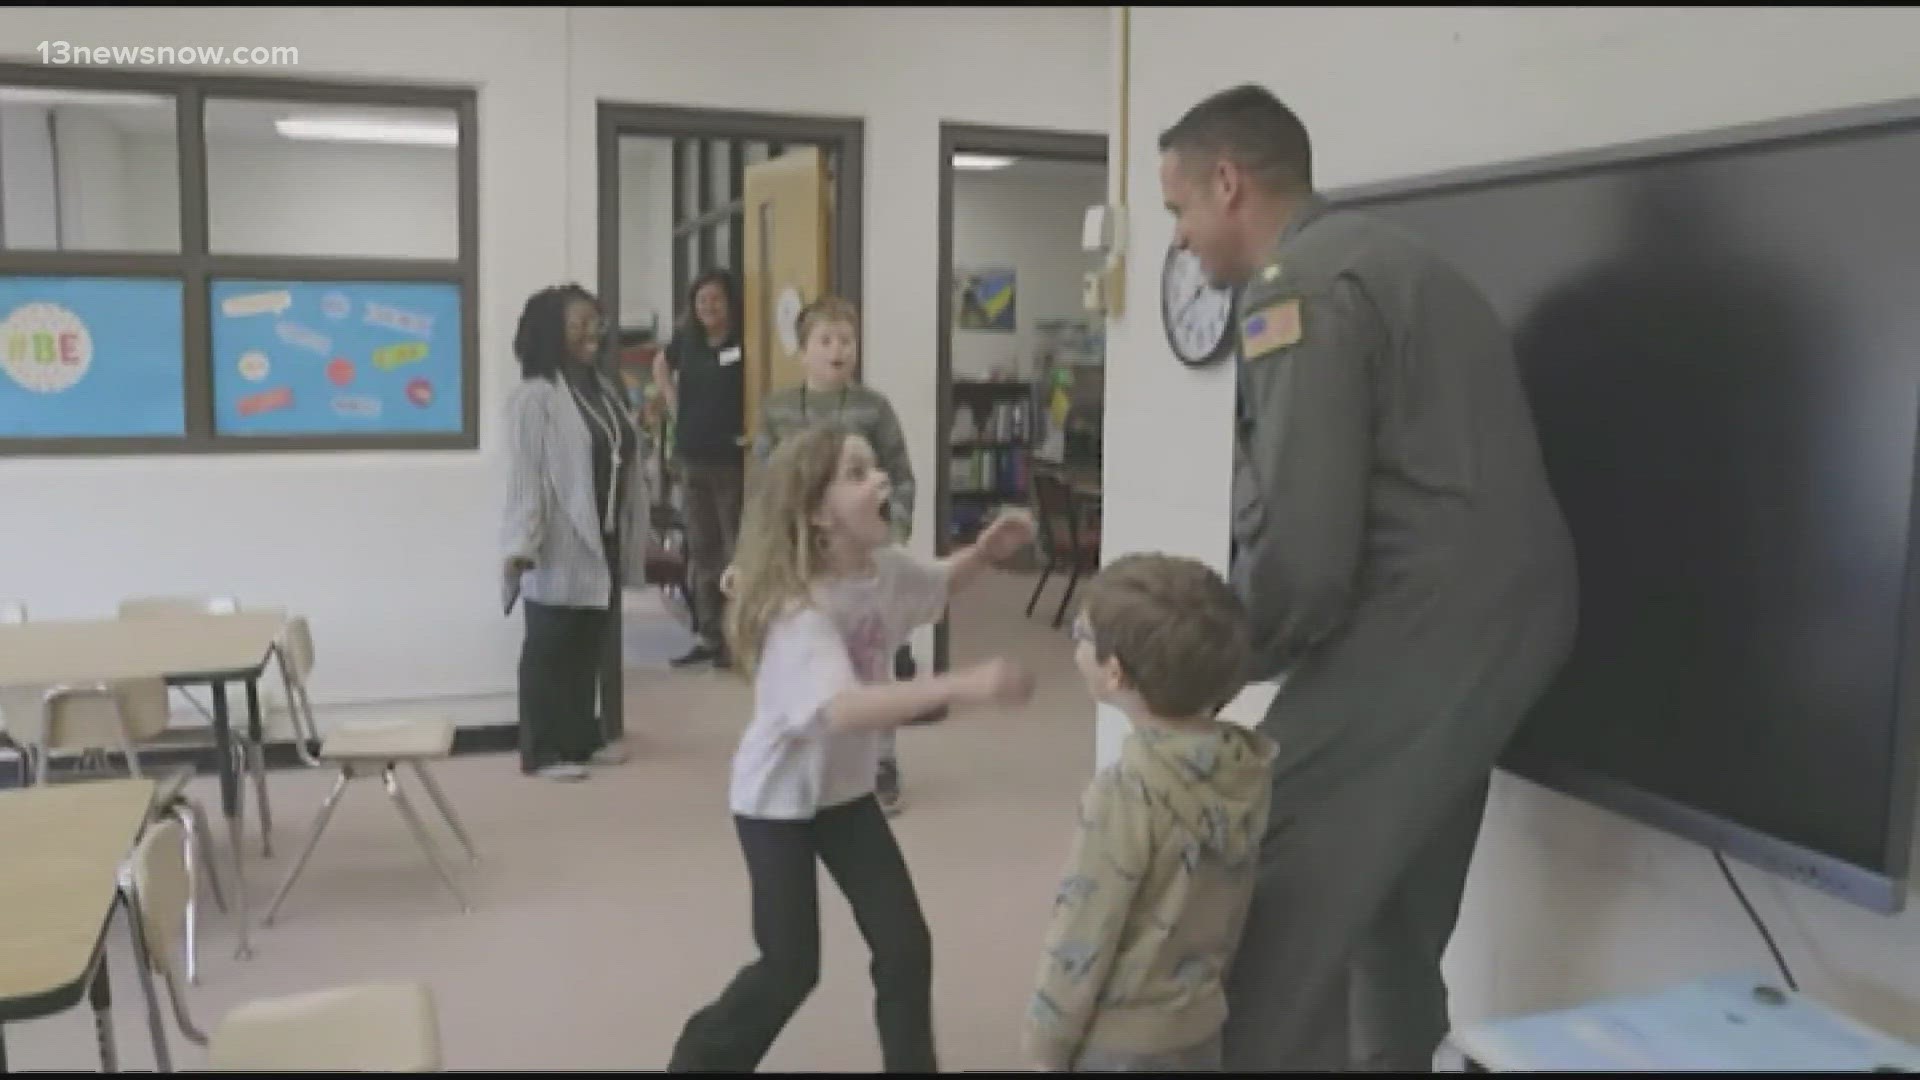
608	423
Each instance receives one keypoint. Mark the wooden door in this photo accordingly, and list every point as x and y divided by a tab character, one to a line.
787	219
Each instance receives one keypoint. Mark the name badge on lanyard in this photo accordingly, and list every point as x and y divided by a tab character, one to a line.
730	356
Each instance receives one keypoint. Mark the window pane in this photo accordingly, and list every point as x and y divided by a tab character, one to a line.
646	231
336	358
720	158
723	242
689	180
285	178
88	170
91	357
756	152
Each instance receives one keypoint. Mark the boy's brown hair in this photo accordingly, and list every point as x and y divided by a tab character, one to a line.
827	309
1179	631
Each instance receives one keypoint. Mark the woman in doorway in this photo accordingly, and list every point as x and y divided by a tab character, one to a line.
575	526
699	374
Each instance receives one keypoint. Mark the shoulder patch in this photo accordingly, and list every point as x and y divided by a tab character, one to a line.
1275	326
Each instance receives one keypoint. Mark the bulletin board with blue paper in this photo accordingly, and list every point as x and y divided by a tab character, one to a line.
91	357
337	358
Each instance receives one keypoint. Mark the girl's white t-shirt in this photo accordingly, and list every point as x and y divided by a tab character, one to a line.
789	766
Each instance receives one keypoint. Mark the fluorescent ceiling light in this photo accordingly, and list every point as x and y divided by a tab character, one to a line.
369	130
60	95
980	162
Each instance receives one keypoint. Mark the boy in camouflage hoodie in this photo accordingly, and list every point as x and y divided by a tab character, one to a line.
829	333
1157	889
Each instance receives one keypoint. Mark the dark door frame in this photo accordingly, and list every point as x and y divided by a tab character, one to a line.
845	136
975	139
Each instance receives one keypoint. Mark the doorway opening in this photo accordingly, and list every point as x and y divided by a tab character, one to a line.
1019	368
773	198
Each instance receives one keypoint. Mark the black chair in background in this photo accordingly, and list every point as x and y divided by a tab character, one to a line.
1067	538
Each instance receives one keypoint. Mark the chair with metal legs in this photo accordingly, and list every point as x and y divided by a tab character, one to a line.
1066	538
365	749
12	613
252	756
372	1028
90	723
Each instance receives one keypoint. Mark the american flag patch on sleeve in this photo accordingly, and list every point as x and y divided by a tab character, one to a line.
1275	326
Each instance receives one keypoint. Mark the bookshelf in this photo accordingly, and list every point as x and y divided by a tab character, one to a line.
989	452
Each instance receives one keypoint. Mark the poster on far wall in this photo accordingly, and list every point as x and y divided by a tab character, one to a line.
91	357
337	358
984	300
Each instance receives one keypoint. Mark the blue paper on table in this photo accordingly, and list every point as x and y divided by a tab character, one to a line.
1731	1024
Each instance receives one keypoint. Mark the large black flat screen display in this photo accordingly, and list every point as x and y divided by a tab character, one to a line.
1722	347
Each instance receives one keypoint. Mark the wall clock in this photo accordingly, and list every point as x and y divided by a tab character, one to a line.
1198	316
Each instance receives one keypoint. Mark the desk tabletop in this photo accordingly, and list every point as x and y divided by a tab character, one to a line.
178	647
1729	1024
61	848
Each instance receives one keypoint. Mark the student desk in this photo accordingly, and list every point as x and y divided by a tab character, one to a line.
61	849
186	650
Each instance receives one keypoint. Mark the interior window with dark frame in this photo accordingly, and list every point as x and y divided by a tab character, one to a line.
219	264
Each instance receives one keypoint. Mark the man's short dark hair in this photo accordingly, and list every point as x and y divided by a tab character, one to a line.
1253	129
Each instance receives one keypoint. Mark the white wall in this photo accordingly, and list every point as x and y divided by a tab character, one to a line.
392	555
1565	901
107	198
1031	224
27	177
287	198
93	180
646	233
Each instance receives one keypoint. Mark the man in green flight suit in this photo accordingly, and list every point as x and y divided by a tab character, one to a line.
1408	573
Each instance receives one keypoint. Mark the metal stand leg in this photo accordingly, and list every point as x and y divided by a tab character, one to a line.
1073	580
101	995
143	964
420	834
257	760
197	825
1035	598
313	841
237	835
257	757
192	843
233	806
446	809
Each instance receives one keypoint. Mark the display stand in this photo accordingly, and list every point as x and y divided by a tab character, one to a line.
1729	1024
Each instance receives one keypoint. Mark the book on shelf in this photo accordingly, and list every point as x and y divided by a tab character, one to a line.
1003	422
999	472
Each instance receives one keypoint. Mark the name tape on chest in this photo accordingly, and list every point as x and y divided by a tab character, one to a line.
1275	326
